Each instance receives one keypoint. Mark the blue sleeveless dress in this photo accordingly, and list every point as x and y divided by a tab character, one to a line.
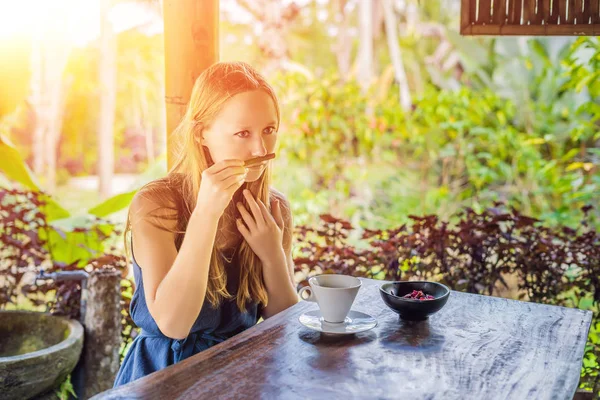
151	351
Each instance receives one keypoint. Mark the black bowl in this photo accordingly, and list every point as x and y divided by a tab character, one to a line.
392	293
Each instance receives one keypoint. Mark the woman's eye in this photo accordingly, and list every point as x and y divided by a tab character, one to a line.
269	131
243	134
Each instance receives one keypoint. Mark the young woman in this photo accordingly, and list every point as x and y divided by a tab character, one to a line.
211	242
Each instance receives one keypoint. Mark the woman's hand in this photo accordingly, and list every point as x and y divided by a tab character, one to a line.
219	183
262	230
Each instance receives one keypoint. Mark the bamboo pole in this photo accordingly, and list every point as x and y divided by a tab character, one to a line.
108	101
191	37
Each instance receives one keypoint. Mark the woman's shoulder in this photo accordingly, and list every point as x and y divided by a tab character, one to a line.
155	200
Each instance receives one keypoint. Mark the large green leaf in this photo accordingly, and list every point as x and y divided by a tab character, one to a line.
15	169
78	238
13	165
122	200
53	210
112	205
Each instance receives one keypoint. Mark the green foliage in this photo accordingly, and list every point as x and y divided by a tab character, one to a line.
584	65
458	147
115	203
13	165
65	391
78	140
14	168
68	239
139	104
78	239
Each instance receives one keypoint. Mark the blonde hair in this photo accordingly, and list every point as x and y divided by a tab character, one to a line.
178	191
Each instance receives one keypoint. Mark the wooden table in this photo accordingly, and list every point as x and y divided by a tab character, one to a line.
476	347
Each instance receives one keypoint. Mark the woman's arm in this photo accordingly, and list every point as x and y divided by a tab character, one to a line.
174	282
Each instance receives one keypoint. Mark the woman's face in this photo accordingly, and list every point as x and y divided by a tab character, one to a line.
244	128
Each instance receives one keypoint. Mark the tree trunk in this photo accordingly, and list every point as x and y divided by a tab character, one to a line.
391	28
36	101
343	46
146	127
54	131
108	87
50	53
365	47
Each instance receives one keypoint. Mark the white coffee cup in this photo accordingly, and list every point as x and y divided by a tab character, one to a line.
333	293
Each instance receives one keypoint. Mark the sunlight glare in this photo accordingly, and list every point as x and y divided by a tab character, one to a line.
77	22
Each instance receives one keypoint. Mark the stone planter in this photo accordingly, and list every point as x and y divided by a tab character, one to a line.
37	352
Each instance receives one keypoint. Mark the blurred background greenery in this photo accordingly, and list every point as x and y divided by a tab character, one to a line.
458	121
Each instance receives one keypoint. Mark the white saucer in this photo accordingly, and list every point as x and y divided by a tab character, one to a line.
355	322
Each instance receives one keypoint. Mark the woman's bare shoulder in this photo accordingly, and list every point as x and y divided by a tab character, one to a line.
155	205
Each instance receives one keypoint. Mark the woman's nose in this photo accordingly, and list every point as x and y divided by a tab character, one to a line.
259	149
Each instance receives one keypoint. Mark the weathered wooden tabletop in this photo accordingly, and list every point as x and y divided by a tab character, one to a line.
476	347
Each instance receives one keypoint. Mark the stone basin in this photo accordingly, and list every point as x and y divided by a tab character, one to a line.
37	352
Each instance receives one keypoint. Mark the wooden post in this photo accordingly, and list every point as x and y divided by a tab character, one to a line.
99	362
191	45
